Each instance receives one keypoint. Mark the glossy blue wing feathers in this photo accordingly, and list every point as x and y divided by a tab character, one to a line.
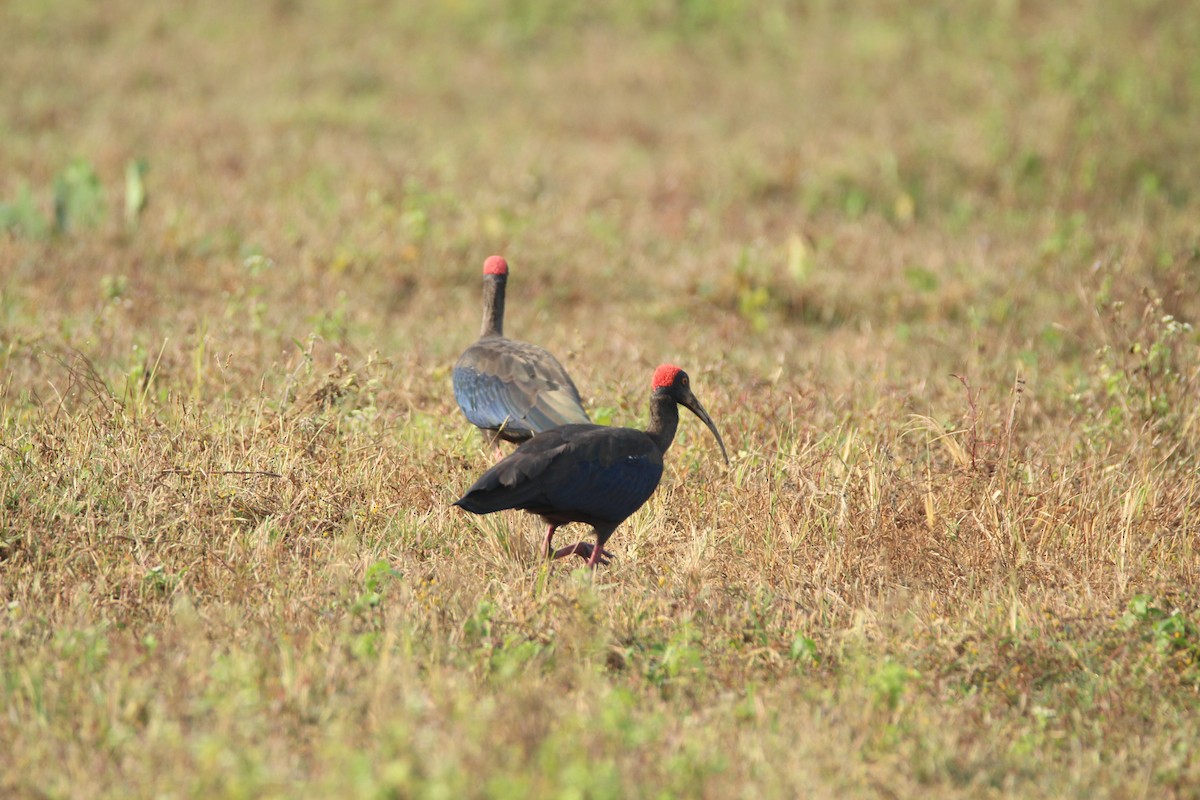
586	472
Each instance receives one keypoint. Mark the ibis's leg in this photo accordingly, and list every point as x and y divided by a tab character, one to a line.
549	538
602	535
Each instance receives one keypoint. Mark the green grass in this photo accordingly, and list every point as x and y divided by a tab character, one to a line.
932	270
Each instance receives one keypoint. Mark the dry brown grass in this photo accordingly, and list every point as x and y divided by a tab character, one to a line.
930	271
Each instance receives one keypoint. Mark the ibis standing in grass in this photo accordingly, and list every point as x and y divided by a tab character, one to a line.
590	473
511	390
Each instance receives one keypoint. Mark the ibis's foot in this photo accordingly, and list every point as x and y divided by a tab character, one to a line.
491	441
584	550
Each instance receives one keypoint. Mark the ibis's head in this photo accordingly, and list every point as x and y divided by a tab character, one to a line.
495	265
673	382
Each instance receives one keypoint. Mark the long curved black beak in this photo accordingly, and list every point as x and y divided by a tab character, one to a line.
688	400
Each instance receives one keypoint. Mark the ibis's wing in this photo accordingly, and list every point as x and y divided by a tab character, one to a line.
517	388
587	472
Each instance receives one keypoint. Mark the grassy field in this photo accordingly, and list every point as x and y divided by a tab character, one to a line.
933	269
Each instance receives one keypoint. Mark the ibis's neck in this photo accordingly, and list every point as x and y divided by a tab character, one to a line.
664	419
493	306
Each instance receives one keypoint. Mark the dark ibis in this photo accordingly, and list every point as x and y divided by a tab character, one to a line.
592	474
511	390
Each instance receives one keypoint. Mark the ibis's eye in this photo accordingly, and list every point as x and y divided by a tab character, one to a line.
685	380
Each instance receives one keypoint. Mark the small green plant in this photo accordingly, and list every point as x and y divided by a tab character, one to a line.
158	581
246	302
78	198
921	279
752	280
375	582
478	626
87	648
675	660
333	324
1171	632
889	681
510	657
365	646
112	287
135	191
804	650
1071	237
22	216
1138	376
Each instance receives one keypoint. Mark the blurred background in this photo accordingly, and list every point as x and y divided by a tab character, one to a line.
756	184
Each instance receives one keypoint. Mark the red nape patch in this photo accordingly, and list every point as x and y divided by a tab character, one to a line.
495	265
665	375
